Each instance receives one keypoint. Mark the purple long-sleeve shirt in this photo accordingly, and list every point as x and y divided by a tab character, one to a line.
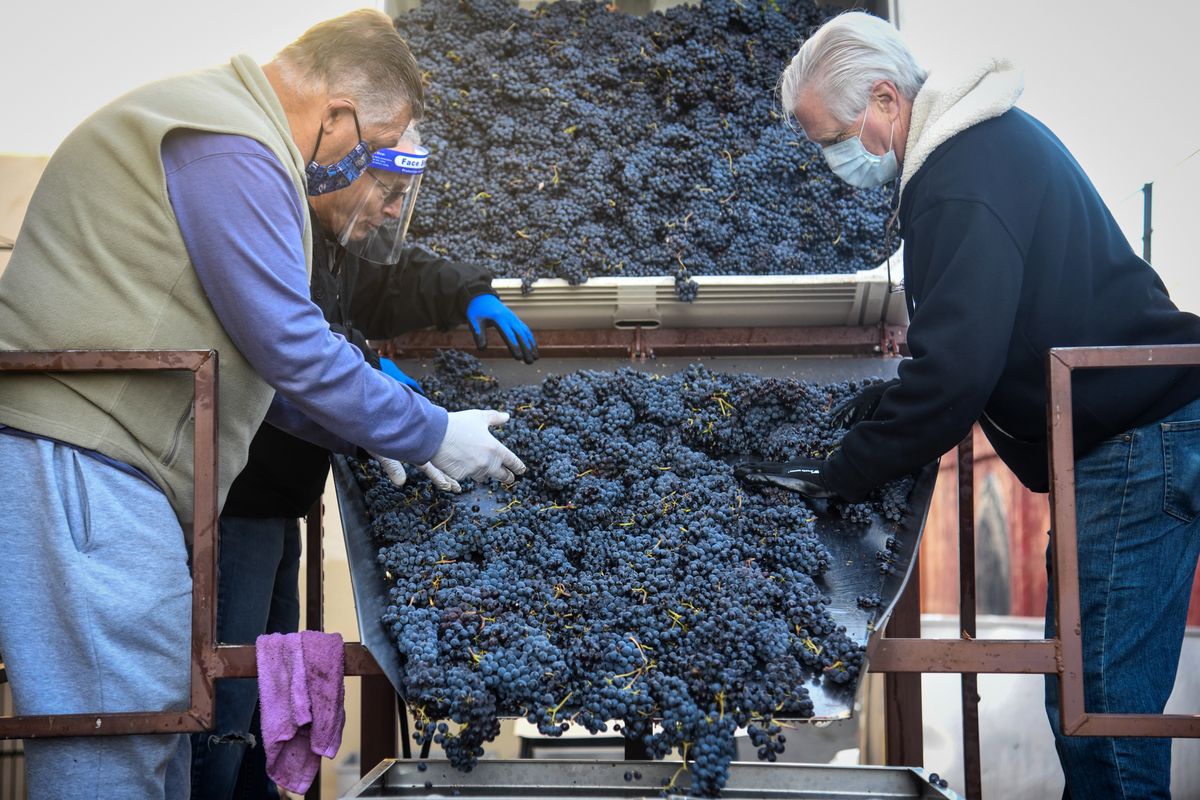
243	226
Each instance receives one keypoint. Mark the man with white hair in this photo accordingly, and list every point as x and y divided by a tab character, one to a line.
175	218
1009	251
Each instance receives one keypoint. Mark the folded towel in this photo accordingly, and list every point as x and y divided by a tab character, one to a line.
301	702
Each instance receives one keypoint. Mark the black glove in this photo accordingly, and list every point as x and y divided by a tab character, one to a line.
862	406
802	475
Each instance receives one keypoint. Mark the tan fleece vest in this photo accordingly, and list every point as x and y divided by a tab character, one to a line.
100	264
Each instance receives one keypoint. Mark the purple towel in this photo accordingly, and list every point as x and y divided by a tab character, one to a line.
302	703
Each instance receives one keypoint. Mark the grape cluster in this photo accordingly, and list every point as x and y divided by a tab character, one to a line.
627	576
574	141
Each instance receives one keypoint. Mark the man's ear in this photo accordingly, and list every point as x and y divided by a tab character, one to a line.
887	96
331	115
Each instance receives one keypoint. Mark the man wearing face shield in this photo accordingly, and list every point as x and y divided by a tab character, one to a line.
175	218
371	222
1009	251
370	285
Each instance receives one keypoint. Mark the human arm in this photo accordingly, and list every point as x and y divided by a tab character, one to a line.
861	406
421	290
968	273
395	373
801	475
394	469
242	223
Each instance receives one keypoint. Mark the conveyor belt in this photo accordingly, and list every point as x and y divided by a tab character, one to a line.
854	570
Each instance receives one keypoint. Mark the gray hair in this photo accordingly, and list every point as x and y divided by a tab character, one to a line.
844	59
359	56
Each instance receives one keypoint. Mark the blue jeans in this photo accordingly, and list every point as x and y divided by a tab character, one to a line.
95	616
1137	499
257	592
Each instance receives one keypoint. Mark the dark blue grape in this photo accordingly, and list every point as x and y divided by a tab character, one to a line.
628	576
570	141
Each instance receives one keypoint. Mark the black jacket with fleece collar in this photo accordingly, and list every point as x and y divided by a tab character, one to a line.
1009	251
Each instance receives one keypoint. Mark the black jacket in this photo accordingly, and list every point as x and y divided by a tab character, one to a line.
1009	251
285	475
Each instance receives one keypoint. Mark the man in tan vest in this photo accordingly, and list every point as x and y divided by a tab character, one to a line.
176	218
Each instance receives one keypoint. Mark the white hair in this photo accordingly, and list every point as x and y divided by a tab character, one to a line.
844	59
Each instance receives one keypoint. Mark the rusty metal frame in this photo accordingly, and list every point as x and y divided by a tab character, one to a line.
1061	362
210	660
1062	656
203	366
314	600
969	689
641	343
903	656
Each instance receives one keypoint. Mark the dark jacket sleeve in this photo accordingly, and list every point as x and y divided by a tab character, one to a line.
966	281
420	291
356	338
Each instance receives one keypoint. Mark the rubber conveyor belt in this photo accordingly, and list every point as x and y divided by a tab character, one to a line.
854	571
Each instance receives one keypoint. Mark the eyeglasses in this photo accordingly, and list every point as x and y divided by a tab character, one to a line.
391	193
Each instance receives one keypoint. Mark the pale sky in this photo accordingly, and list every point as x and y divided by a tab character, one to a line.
1110	77
61	61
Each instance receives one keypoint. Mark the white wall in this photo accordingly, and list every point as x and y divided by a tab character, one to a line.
1017	757
61	61
1114	80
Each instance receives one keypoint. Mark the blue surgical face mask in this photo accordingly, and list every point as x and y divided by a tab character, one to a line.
330	178
852	162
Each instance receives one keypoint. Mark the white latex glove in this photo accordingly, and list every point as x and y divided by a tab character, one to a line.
470	451
392	468
440	479
396	474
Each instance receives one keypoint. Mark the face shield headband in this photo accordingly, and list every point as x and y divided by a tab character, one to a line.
376	229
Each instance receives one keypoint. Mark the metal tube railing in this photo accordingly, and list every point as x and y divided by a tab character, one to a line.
1063	655
209	659
1061	362
203	366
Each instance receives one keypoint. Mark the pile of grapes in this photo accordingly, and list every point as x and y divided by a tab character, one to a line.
576	141
627	576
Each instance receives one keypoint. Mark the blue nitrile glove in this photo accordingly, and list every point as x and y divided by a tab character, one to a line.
486	309
389	368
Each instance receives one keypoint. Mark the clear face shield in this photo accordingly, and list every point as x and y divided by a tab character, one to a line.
377	226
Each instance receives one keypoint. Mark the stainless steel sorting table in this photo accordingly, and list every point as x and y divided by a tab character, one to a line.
552	779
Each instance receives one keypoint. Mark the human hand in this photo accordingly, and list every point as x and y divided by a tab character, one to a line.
389	368
468	450
486	309
801	475
439	479
862	406
398	475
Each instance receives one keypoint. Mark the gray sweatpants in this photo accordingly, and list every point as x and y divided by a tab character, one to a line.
95	615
